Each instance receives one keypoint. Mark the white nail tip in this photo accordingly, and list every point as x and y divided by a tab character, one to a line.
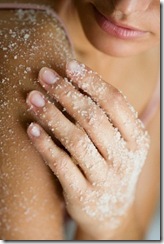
76	68
73	65
35	131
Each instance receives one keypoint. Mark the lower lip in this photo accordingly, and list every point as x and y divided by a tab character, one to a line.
115	30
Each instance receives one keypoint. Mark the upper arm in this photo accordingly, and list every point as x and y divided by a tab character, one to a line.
29	205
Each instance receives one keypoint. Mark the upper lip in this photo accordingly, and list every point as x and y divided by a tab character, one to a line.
120	24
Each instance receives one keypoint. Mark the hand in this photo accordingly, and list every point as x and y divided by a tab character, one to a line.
104	149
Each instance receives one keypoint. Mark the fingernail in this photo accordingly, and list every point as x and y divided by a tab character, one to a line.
34	130
48	76
36	99
76	68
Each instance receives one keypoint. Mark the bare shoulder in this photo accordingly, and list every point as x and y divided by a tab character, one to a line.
27	34
29	40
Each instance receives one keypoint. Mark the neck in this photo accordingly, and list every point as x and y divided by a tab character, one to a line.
89	55
132	75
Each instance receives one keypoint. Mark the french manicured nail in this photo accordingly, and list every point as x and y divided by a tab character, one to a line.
72	65
36	99
48	76
76	68
34	130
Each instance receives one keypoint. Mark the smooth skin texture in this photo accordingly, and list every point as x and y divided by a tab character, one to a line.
130	66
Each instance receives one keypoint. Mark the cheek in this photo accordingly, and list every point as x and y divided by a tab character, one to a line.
153	19
155	26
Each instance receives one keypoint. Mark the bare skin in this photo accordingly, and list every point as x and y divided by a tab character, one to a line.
139	213
31	208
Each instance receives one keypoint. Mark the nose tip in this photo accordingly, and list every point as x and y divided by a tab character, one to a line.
130	6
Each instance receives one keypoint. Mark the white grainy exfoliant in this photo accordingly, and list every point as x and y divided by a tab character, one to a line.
29	40
110	199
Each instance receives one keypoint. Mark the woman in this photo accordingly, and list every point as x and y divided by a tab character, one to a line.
101	145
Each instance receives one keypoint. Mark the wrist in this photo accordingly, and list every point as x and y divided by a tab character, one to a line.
127	230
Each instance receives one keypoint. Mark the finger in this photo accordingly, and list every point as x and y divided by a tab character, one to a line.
109	98
72	138
82	108
60	163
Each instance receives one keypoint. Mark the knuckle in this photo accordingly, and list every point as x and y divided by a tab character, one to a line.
50	114
62	89
79	139
117	97
81	144
57	160
61	160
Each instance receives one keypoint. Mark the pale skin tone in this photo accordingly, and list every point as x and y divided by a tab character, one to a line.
79	187
102	172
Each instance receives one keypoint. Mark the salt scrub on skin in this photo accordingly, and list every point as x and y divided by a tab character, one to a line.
78	70
49	77
109	200
85	78
24	37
